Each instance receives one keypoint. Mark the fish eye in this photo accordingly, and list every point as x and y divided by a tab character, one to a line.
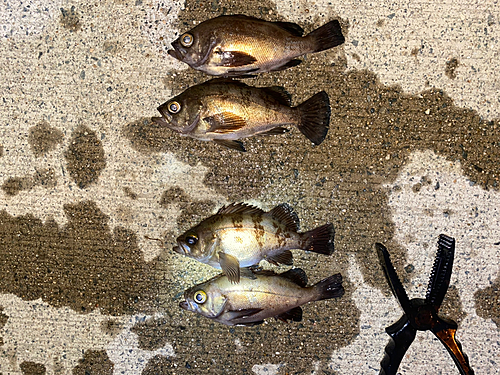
187	40
174	107
200	297
191	239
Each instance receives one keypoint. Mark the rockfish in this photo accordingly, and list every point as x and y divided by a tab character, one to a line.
258	296
240	45
223	111
240	235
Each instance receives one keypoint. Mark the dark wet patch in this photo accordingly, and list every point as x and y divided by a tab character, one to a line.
112	327
488	302
160	365
69	19
94	362
43	138
153	333
3	321
32	368
194	212
451	67
1	151
85	157
452	307
44	177
82	265
129	193
174	195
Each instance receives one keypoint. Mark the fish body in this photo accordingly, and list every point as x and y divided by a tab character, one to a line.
240	235
259	295
239	45
224	111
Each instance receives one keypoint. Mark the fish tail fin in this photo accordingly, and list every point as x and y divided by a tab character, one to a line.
326	36
315	117
320	239
331	287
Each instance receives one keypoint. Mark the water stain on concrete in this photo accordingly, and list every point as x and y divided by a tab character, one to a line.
129	193
3	321
160	365
43	138
451	67
487	302
43	177
153	333
69	19
94	362
32	368
82	265
1	151
85	157
452	307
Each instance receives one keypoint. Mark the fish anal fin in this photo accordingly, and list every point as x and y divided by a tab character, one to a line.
224	122
294	315
247	273
230	266
276	131
285	258
239	208
289	64
234	59
296	275
285	215
234	145
291	27
279	94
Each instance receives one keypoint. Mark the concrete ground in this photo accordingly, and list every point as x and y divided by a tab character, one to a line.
413	151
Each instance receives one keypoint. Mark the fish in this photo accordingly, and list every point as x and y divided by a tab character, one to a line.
239	45
225	111
258	296
241	235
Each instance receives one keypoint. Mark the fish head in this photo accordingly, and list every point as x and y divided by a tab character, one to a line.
204	299
180	114
194	47
197	243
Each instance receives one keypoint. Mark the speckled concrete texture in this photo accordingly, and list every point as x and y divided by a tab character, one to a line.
86	178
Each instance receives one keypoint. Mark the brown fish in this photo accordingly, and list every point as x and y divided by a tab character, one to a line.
258	296
240	235
224	111
240	45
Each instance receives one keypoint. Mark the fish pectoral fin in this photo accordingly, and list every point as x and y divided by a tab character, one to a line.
230	266
236	58
235	145
294	315
289	64
224	122
276	131
285	257
242	313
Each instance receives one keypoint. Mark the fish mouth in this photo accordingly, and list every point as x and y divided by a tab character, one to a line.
184	305
175	54
181	249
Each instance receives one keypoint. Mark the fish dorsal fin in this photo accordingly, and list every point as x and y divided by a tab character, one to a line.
297	276
294	315
279	94
285	258
224	122
285	215
291	27
239	208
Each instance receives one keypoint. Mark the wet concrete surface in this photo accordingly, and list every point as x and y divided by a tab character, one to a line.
85	178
